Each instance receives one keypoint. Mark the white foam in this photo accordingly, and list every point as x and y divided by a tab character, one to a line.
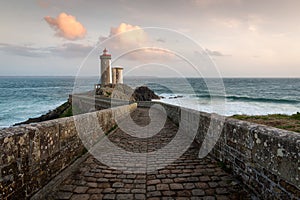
232	108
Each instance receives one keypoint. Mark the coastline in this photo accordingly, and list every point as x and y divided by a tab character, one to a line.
122	92
23	98
281	121
61	111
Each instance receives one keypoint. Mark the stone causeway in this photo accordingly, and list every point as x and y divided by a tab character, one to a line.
187	178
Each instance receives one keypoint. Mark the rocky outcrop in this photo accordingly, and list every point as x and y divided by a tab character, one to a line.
143	93
116	91
124	92
53	114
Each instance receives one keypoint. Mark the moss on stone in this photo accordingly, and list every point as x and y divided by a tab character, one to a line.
286	122
67	113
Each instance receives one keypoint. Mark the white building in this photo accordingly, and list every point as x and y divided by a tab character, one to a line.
109	75
117	75
106	76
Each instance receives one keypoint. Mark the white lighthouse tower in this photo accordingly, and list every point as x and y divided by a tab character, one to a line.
106	76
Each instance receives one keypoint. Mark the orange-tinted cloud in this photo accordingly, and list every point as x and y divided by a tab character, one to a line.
131	34
136	42
123	27
66	26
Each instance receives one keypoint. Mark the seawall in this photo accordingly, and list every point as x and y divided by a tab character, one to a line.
31	155
83	103
266	159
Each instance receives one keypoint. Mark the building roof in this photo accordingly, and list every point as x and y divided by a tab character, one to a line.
105	52
118	68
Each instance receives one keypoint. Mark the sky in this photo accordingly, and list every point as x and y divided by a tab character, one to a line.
228	38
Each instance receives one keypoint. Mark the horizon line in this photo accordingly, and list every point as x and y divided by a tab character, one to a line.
266	77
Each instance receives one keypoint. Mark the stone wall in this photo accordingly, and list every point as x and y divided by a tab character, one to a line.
31	155
84	103
266	159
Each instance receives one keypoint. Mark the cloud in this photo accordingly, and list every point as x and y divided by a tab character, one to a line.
123	27
207	3
161	40
127	37
131	35
127	34
65	50
70	50
22	50
210	53
66	26
214	53
150	54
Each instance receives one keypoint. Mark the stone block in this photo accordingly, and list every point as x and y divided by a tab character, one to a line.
49	138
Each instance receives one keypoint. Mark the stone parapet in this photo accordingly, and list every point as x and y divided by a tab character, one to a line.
266	159
33	154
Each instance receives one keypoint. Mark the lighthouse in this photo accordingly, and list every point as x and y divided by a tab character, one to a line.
106	76
109	76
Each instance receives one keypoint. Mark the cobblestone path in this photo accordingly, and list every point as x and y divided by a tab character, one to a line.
186	178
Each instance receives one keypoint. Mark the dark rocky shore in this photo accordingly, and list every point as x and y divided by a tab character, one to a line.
119	91
53	114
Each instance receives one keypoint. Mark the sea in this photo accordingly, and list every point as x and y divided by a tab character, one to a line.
26	97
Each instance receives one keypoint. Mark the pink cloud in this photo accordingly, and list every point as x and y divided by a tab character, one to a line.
66	26
123	27
131	35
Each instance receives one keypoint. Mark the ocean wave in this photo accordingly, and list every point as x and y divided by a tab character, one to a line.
233	98
250	99
36	88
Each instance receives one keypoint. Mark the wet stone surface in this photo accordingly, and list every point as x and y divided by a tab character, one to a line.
188	177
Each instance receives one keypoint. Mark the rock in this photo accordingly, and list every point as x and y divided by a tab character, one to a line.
53	114
175	97
143	93
117	91
124	92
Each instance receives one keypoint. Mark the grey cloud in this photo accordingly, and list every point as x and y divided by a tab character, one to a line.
71	50
65	50
210	53
161	40
214	53
22	50
102	38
